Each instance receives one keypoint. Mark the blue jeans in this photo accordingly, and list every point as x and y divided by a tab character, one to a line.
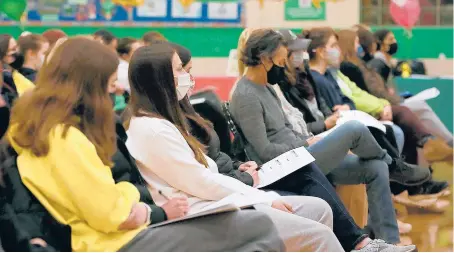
368	165
400	137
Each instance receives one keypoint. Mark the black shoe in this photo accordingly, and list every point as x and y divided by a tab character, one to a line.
428	188
408	174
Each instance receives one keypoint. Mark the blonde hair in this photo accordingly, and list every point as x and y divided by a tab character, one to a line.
244	36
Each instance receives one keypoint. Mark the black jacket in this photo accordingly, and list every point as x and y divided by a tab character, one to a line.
8	94
22	217
226	165
296	98
28	73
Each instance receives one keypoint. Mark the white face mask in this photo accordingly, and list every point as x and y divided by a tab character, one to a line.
184	85
298	59
306	56
41	61
333	57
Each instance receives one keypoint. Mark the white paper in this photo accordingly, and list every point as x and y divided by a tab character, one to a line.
220	209
223	10
284	165
362	117
423	95
152	8
192	11
239	201
387	122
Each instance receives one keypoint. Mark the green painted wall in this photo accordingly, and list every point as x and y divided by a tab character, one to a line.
442	105
216	42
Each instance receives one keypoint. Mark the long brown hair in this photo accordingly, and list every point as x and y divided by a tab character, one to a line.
347	45
153	91
71	89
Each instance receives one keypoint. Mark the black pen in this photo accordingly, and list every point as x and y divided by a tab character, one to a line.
258	168
162	194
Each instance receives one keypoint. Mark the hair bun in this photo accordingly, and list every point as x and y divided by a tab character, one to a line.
306	33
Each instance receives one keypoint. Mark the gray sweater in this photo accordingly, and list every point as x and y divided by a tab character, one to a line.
257	111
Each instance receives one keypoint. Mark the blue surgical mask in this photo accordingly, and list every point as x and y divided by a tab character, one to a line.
360	52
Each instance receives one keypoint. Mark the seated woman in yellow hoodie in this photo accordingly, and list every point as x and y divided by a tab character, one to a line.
64	134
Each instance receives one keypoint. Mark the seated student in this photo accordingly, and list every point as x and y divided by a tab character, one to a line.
175	165
125	49
106	38
258	113
324	63
385	88
74	122
13	84
34	48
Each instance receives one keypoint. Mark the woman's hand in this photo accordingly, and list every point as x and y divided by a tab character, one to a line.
248	166
137	217
176	208
281	205
387	113
311	141
39	242
330	122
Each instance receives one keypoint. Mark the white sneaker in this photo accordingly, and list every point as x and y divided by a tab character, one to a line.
378	245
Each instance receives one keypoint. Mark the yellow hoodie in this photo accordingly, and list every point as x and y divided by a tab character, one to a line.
78	190
22	83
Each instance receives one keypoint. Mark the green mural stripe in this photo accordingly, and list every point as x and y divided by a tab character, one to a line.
426	42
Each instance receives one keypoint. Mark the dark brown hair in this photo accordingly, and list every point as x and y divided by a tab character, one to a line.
124	45
32	42
153	91
319	37
347	46
71	89
366	39
4	45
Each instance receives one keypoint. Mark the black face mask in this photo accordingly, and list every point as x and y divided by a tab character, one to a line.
393	48
367	57
275	74
18	61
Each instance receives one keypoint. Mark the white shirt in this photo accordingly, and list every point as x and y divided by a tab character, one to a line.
123	80
168	164
294	116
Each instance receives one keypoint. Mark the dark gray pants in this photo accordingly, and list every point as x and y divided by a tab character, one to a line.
246	230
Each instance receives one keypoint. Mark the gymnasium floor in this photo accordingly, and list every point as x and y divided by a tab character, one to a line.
434	232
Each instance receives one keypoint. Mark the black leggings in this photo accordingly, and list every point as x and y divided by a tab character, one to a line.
310	181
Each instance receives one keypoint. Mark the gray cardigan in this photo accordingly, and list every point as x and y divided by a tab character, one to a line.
257	111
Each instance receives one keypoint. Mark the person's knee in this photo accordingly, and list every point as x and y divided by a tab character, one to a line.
324	233
356	127
322	207
260	227
318	210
